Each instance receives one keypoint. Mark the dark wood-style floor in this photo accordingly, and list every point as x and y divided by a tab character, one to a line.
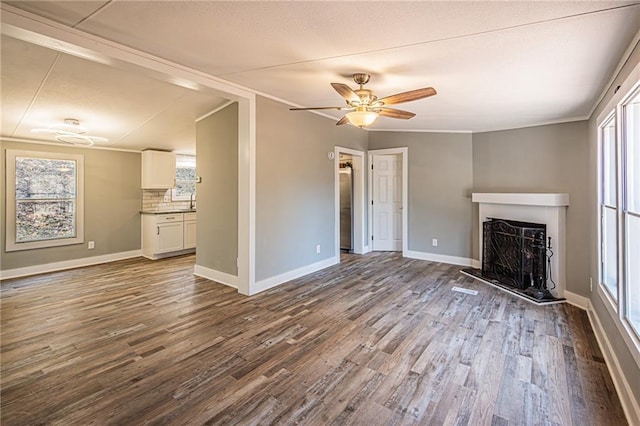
375	340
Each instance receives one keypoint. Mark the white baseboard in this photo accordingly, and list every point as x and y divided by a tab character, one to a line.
217	276
271	282
629	403
577	300
67	264
432	257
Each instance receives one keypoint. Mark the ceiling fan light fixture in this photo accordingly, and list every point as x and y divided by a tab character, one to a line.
365	106
362	119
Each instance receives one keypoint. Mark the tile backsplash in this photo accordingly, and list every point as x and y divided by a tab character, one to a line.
160	199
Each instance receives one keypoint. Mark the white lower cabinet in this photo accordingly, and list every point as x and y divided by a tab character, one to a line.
189	230
167	234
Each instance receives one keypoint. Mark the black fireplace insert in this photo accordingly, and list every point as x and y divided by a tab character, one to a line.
515	253
516	257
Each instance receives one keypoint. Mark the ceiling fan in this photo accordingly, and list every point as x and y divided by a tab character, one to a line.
364	107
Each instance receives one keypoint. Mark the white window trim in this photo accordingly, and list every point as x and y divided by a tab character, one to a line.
174	195
623	209
610	297
616	309
11	244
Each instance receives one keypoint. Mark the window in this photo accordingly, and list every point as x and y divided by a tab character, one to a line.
631	212
185	178
44	199
608	209
619	195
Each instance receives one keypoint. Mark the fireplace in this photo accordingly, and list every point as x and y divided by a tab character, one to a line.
521	244
514	253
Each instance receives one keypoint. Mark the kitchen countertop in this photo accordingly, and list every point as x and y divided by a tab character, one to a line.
167	211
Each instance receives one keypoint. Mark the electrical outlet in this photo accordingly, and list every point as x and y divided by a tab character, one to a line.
92	245
318	248
434	242
590	283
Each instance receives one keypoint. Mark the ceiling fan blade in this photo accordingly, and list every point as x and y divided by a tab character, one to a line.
395	113
412	95
346	92
343	120
305	109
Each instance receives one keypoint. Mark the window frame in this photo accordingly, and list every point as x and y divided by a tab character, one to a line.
618	309
11	232
174	194
624	208
604	205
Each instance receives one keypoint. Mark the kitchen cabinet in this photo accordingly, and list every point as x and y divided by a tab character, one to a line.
189	230
168	234
158	169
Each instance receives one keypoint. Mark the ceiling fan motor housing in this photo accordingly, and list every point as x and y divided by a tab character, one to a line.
361	78
366	96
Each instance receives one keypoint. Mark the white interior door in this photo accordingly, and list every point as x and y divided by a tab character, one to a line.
387	202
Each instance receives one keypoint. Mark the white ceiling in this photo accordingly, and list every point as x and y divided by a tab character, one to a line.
495	65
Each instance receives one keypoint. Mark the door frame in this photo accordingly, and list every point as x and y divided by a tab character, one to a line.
404	156
359	210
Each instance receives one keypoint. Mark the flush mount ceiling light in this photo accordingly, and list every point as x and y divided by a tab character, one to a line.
70	132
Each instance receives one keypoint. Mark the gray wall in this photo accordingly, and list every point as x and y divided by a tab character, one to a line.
112	202
440	182
630	368
295	186
552	158
217	165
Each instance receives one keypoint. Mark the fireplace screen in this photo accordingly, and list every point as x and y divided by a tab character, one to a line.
514	253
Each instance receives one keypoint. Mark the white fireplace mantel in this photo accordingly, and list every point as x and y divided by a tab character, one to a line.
527	199
549	209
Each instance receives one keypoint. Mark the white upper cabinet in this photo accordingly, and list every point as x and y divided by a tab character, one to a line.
158	169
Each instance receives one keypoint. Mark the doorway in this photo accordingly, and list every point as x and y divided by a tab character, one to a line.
350	213
388	195
345	172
